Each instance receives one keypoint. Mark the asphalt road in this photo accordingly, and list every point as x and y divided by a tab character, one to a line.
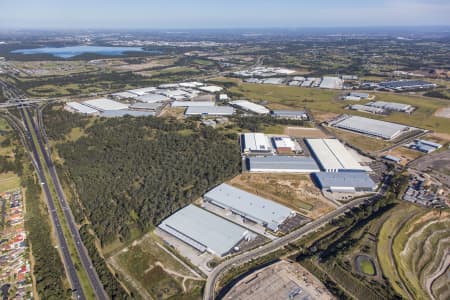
82	252
67	259
209	292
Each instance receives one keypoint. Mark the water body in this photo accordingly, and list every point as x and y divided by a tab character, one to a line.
68	52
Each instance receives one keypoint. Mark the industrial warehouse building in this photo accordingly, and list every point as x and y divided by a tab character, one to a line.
405	85
344	182
126	112
331	83
193	103
204	231
392	106
103	104
290	114
332	156
152	98
282	164
80	108
256	143
286	145
209	111
250	106
249	206
376	128
367	108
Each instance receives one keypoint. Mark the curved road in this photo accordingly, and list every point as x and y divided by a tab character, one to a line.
209	293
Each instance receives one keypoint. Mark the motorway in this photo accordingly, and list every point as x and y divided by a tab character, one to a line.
67	259
211	283
82	252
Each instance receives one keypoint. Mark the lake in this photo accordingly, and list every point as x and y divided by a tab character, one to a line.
68	52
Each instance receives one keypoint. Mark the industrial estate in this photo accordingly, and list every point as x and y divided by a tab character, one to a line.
224	165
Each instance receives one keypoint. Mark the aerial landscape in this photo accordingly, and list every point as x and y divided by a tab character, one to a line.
225	150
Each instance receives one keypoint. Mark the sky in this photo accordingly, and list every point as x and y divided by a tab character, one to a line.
158	14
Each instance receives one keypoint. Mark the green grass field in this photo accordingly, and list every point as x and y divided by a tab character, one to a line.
156	270
9	181
325	102
367	267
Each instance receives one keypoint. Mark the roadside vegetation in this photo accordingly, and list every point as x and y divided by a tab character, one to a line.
48	269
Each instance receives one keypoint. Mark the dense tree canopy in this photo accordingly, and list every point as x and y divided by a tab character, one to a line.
134	172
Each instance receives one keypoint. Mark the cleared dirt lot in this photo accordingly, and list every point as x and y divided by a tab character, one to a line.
407	155
443	112
296	191
304	132
282	280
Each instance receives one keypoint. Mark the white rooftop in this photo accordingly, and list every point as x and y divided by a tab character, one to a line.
251	206
103	104
211	88
256	142
250	106
333	156
204	230
81	108
386	130
193	103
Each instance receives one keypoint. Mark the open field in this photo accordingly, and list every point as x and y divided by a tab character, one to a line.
145	63
325	103
153	271
443	112
52	68
304	132
293	190
9	181
407	155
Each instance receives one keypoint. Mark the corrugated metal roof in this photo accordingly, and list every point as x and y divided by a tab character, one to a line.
124	112
290	113
373	127
210	110
332	155
205	229
103	104
149	106
256	142
250	106
152	98
358	180
294	164
248	205
192	103
81	108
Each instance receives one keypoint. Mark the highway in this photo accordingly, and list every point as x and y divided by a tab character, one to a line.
64	250
211	283
82	252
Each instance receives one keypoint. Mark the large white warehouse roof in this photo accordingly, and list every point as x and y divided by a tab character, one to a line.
250	106
204	230
282	164
80	108
193	103
332	155
382	129
103	104
256	142
209	110
250	206
152	98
